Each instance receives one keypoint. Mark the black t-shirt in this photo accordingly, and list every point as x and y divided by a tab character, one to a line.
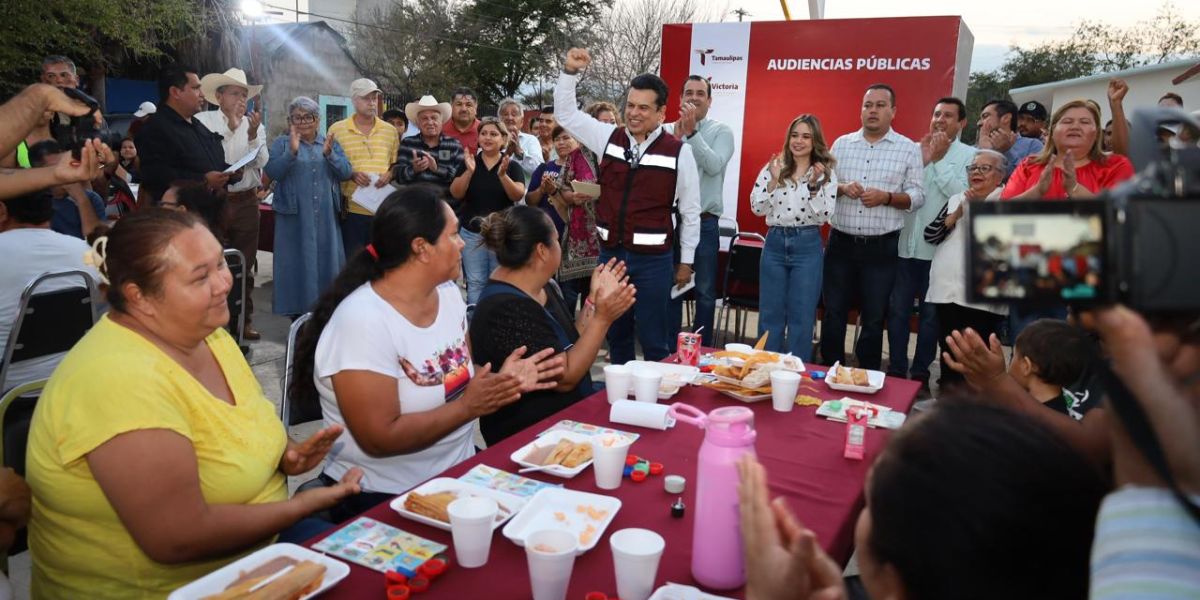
1080	397
485	195
505	322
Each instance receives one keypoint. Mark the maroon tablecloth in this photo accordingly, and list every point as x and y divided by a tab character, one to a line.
801	452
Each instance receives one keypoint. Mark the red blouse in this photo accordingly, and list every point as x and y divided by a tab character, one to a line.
1095	176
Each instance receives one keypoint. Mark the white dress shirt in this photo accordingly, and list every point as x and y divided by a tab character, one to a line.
791	204
594	135
236	144
531	148
892	164
948	271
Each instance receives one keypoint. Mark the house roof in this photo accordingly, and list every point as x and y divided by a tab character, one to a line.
1053	85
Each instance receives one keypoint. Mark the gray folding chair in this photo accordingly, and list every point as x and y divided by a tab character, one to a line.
237	295
286	414
50	322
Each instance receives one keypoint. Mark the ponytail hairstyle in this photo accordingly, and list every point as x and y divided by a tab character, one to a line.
406	215
514	234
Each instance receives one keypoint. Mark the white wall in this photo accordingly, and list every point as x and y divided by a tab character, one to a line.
1144	90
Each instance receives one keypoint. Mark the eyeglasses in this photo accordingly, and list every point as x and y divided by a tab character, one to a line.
981	169
302	119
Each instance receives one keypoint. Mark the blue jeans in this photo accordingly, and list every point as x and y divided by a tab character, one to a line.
652	275
1019	318
705	291
356	233
789	287
862	268
912	280
478	263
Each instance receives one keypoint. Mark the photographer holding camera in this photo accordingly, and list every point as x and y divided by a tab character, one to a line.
22	113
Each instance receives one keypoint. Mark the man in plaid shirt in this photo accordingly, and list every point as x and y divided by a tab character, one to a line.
880	179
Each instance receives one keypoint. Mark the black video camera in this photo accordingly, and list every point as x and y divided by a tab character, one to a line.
71	132
1134	244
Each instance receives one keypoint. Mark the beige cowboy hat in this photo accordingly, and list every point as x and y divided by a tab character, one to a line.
427	102
211	82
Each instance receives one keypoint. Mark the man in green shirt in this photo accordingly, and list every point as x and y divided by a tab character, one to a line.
946	159
712	145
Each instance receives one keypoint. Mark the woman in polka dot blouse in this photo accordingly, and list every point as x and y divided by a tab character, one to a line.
796	192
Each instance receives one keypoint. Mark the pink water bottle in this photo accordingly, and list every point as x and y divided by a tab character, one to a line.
717	557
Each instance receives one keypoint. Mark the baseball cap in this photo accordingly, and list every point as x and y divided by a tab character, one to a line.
1034	109
362	87
145	108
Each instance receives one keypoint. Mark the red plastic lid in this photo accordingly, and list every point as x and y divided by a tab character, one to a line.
656	468
432	568
638	476
418	584
631	460
398	592
596	596
395	578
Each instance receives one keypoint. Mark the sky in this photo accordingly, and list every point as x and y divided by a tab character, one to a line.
996	26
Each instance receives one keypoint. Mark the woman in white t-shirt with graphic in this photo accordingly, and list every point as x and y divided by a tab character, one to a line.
386	356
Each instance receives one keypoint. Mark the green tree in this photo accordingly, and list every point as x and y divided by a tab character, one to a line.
411	48
1093	48
101	36
519	41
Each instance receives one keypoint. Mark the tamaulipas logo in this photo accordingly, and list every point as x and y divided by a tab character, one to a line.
707	54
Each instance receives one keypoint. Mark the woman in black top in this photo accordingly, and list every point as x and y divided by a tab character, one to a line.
488	182
521	306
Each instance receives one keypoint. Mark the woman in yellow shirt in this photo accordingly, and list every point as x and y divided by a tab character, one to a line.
154	457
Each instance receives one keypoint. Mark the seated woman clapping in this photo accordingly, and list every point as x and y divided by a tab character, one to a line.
522	308
386	353
154	457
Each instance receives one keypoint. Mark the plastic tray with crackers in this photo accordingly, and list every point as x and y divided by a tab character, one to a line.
267	568
427	502
848	379
569	453
582	514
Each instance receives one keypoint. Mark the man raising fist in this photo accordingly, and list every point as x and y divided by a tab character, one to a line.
644	174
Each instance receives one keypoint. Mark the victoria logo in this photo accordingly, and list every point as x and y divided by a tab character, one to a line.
704	55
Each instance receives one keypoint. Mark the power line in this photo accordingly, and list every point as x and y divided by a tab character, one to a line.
397	31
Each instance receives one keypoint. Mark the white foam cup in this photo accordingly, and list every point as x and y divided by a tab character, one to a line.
608	459
636	554
784	385
645	384
551	557
471	525
618	382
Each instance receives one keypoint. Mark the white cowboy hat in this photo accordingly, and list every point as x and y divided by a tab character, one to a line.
427	102
235	76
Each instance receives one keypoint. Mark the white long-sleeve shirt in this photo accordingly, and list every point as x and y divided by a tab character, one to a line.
236	144
594	135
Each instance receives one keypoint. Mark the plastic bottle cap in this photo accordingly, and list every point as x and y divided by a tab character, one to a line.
398	592
638	476
677	508
632	459
642	467
596	596
395	578
418	584
674	484
432	568
656	468
628	470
